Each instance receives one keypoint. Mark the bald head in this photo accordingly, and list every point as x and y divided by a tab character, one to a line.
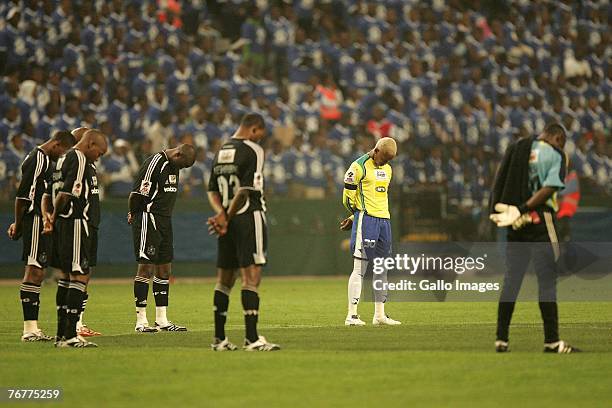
93	144
387	145
384	151
79	132
182	156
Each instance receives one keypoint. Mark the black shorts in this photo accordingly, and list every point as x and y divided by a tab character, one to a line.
36	246
153	242
54	259
93	245
73	246
245	242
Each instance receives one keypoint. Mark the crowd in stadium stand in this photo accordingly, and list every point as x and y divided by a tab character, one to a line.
454	84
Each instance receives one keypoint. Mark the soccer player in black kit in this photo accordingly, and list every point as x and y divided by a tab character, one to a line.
235	193
72	211
63	281
150	211
525	201
28	222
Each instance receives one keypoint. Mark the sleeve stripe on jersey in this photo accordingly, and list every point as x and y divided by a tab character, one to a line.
40	163
151	167
259	152
81	169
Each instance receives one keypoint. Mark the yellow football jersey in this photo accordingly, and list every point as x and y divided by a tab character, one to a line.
366	186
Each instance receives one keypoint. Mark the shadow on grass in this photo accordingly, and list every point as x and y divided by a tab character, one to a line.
479	338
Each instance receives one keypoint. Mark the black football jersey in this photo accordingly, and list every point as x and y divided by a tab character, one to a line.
158	180
239	163
93	213
70	176
34	173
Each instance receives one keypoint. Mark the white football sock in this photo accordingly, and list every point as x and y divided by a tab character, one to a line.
160	315
30	326
80	322
354	285
379	309
141	316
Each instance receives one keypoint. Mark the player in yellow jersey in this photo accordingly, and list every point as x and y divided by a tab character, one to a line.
365	196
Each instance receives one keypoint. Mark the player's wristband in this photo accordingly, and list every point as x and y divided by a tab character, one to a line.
523	208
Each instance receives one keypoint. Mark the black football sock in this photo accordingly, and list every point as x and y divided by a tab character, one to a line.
30	294
550	317
84	305
161	288
250	304
60	302
504	316
76	291
141	291
220	306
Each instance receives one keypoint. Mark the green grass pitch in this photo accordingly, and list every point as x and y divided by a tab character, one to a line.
441	356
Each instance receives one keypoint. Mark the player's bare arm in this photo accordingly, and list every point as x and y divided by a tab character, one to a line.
47	208
61	201
217	224
14	231
347	223
136	203
237	202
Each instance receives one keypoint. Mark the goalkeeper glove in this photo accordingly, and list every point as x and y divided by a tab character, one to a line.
506	215
522	221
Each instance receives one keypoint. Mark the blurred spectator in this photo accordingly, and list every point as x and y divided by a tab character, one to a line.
118	169
160	133
330	99
195	180
451	83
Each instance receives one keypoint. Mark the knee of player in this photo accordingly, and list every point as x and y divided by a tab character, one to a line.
34	275
145	270
163	271
80	277
253	287
226	289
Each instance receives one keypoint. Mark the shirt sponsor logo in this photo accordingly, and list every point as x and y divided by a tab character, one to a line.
381	175
145	187
226	156
170	190
381	189
172	178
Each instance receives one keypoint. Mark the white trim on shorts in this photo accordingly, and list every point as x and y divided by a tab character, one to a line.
259	256
359	239
552	234
34	242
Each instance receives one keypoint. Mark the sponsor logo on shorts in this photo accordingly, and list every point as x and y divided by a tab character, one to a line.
369	243
151	250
